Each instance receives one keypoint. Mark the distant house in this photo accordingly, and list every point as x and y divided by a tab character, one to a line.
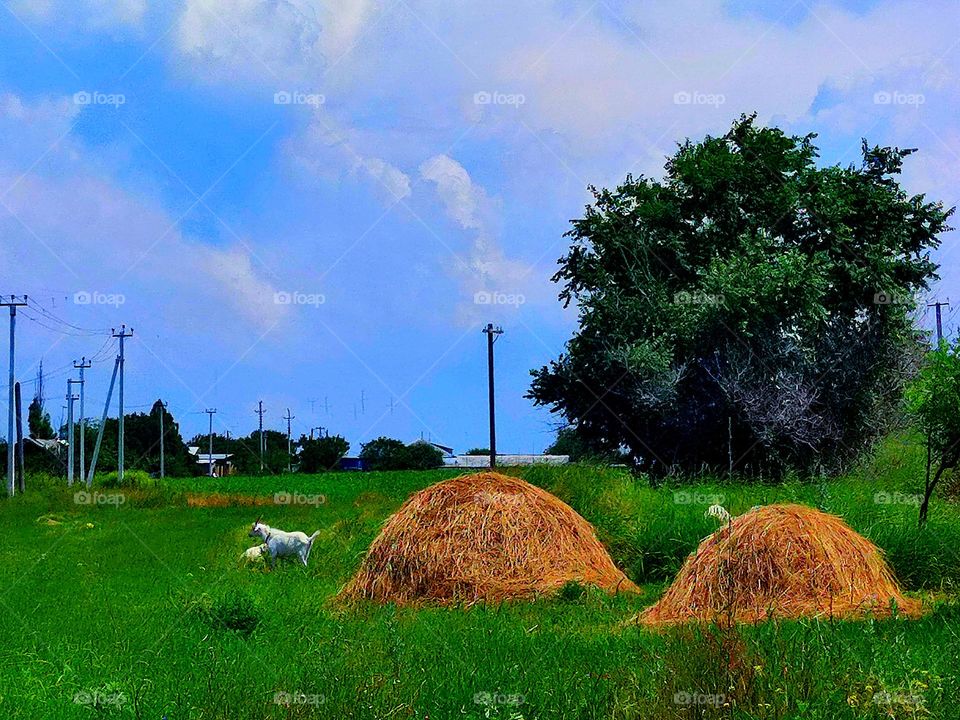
506	460
351	463
222	464
447	451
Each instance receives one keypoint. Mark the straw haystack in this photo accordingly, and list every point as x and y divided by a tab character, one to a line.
781	561
482	537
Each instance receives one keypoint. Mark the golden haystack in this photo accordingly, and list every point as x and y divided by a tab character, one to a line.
781	561
482	537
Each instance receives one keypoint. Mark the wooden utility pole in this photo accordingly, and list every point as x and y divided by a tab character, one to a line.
163	469
260	411
22	474
938	305
288	417
13	303
492	333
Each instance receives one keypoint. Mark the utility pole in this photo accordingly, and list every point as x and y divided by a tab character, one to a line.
288	417
492	333
122	334
21	475
363	402
103	424
210	412
163	411
260	411
313	404
938	305
326	406
70	437
81	366
13	303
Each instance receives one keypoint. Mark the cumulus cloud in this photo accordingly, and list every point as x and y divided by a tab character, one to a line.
72	227
268	40
458	193
331	153
484	271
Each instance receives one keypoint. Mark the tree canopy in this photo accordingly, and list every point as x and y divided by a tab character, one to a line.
750	306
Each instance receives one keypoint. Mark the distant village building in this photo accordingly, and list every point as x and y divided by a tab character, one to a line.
222	464
505	460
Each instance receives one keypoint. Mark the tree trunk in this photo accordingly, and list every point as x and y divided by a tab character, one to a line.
928	491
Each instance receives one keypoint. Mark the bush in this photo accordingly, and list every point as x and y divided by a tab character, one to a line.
389	454
234	611
131	478
322	454
420	456
382	454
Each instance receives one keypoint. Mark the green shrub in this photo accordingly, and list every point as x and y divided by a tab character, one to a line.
235	610
131	478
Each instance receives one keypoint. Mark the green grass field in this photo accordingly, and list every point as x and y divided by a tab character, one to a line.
141	610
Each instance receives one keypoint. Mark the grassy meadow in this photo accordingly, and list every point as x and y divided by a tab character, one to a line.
141	609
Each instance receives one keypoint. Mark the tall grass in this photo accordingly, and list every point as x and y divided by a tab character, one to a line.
140	609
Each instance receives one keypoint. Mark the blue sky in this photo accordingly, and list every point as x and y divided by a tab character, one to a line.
429	152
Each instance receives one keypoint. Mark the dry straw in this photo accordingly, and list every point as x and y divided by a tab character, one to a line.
482	537
785	561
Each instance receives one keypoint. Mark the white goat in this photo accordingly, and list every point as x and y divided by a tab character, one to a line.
256	554
284	544
719	512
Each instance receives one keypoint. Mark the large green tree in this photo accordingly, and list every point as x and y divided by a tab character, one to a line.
750	306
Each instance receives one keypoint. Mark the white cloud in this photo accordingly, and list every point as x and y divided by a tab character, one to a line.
71	226
484	268
330	153
268	40
458	193
87	14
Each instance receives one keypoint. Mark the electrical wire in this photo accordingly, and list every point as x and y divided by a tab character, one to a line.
50	317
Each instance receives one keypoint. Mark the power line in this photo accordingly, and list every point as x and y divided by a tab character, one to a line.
39	308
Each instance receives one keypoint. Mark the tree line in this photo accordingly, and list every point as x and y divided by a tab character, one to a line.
142	448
